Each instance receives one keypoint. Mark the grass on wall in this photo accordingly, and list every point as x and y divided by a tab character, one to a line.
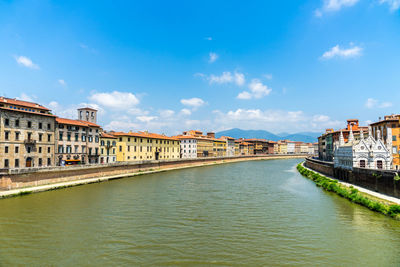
350	193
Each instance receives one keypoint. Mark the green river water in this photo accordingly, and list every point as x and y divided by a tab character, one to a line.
256	213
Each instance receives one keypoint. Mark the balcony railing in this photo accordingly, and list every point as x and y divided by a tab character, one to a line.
29	141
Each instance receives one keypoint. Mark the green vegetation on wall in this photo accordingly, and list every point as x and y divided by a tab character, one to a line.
350	193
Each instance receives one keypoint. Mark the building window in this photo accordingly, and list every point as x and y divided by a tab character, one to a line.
16	149
379	164
6	122
6	163
394	138
16	135
90	138
76	137
16	123
28	149
83	138
40	149
60	149
102	151
29	124
90	151
48	150
68	136
96	139
6	149
120	148
40	137
76	149
61	136
48	161
6	135
97	151
16	163
49	138
362	163
40	162
48	126
40	125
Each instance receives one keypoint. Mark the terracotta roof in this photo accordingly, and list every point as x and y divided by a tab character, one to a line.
30	112
92	109
90	123
107	135
387	120
22	103
71	122
255	139
227	137
145	135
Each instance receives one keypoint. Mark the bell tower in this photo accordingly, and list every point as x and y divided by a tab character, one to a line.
87	114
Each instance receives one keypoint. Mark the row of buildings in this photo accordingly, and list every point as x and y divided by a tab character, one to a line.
376	146
31	136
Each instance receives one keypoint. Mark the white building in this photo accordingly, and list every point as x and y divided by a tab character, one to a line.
291	147
230	145
188	147
364	153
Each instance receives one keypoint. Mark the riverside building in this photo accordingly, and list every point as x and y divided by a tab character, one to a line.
146	146
26	134
363	153
230	145
78	141
391	122
108	148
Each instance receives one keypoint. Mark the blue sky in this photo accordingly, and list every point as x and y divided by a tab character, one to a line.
168	66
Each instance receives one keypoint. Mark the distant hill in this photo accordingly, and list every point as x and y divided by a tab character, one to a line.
309	137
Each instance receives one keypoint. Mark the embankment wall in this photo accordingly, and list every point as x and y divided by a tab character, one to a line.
381	181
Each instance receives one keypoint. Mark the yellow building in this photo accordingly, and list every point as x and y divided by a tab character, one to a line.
108	148
219	147
282	147
304	148
146	146
237	150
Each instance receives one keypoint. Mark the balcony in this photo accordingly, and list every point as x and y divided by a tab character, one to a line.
29	141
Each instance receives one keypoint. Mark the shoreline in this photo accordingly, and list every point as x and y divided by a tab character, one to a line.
378	202
60	185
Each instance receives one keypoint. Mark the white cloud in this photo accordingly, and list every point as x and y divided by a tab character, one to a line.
333	6
115	100
239	78
226	77
26	97
26	62
320	118
167	113
122	126
268	76
244	95
336	51
374	103
213	57
208	38
146	118
393	4
186	111
62	82
194	102
257	90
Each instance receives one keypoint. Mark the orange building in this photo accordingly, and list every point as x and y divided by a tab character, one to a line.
390	122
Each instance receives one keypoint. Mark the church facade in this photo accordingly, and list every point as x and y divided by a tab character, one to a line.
367	152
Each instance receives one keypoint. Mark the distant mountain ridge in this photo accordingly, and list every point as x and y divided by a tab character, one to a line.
308	137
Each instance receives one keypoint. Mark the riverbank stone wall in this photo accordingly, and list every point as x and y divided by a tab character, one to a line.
382	181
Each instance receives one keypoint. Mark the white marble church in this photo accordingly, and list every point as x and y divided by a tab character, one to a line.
363	153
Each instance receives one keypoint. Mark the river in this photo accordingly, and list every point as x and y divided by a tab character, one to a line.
253	213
